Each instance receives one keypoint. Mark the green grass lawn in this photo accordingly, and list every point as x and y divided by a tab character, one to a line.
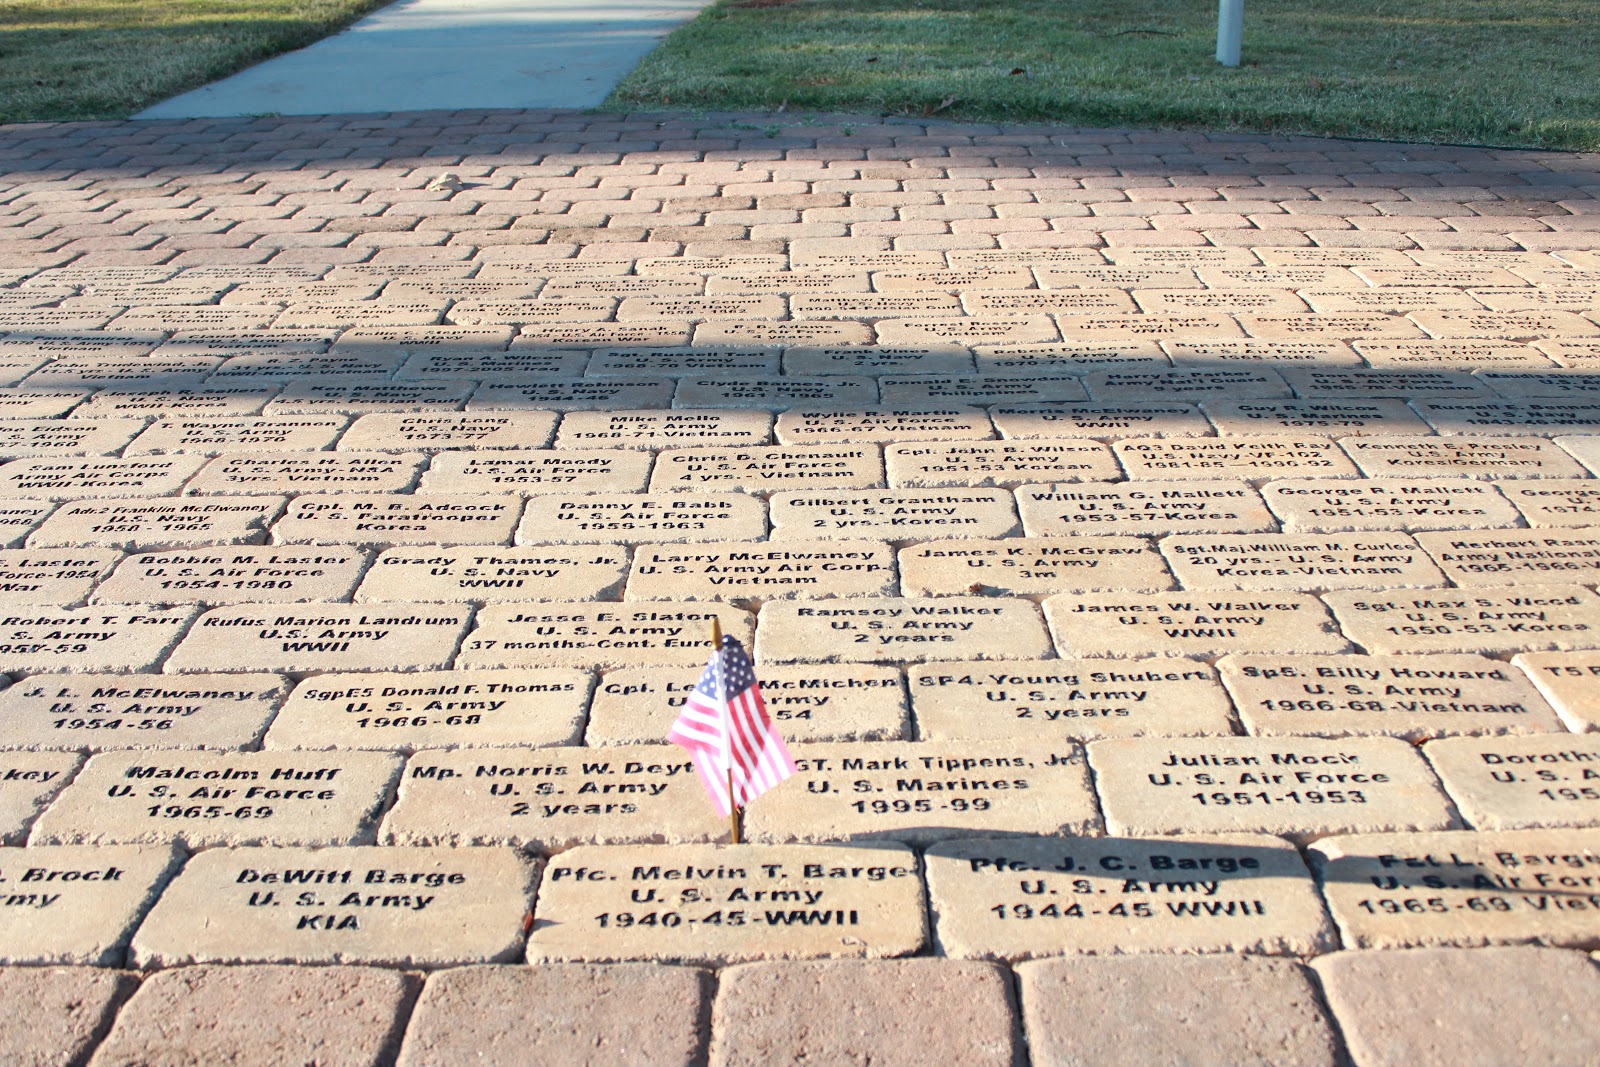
1495	72
103	59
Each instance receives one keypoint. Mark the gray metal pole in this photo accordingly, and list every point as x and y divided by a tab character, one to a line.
1230	28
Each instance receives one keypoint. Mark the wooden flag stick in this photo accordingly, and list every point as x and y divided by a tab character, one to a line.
735	815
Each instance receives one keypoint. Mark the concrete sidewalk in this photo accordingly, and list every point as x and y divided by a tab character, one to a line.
425	55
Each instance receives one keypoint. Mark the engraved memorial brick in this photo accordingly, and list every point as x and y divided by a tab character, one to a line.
1460	457
551	798
876	630
1031	565
879	359
663	429
74	479
322	637
1388	503
28	782
1411	697
1521	783
1486	619
1001	388
138	523
19	519
449	430
53	575
1130	386
835	466
397	907
1307	562
1468	888
1498	557
1365	383
1067	699
1299	787
359	398
278	575
1183	624
682	362
1343	418
600	395
273	472
919	792
846	702
897	515
396	519
887	425
733	570
1095	419
1147	508
568	470
1511	418
113	639
1010	900
1567	680
491	574
655	634
773	393
638	518
21	438
433	709
211	401
202	799
213	436
999	463
1239	457
728	903
76	904
1555	502
1461	355
144	711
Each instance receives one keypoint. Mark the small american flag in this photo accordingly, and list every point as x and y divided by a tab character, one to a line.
725	726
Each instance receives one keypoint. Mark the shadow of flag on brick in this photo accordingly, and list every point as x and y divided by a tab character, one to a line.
725	727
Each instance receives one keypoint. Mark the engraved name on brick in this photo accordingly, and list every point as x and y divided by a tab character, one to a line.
1387	504
75	904
659	633
572	470
234	575
1148	508
726	904
1487	619
837	466
1010	900
924	791
396	519
144	711
766	570
827	702
1029	565
28	782
1300	788
1307	562
1190	624
322	637
999	463
433	709
1237	457
1521	783
551	798
897	515
1412	697
222	798
875	630
1464	888
636	518
398	907
533	572
1070	699
1568	681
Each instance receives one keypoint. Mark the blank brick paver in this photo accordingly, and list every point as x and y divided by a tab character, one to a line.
1062	483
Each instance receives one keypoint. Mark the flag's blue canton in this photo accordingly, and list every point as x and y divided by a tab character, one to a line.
741	673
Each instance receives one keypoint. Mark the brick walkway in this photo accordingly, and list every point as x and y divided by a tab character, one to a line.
1172	558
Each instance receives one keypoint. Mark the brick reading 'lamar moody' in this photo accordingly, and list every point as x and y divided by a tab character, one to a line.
725	726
